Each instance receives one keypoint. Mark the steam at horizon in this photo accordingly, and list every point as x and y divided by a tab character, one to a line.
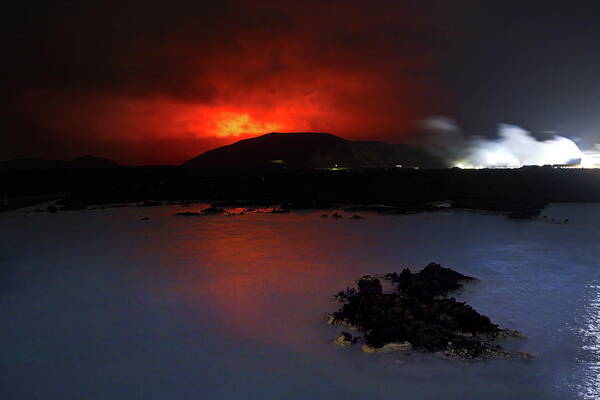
513	147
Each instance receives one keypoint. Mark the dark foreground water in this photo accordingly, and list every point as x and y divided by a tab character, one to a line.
102	305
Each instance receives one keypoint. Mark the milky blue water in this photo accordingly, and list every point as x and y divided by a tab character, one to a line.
101	305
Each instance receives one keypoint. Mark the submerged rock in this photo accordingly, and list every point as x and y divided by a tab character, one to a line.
280	211
524	213
387	348
213	210
399	207
475	350
189	214
150	203
417	314
345	339
73	206
526	355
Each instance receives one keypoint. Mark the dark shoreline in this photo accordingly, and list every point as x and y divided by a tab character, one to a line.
519	192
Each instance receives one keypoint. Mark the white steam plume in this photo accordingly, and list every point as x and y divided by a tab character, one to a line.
514	147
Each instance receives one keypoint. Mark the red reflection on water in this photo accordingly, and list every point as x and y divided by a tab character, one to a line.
265	280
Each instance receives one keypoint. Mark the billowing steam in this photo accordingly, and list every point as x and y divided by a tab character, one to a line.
514	147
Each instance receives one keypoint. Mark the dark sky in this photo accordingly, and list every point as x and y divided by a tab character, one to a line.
159	82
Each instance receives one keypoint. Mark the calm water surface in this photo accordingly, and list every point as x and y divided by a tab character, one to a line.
102	305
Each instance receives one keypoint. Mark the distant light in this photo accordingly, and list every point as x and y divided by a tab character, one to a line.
466	165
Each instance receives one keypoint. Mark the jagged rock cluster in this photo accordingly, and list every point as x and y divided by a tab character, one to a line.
212	210
417	314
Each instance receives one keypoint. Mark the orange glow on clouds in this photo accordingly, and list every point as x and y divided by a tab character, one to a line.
234	124
225	122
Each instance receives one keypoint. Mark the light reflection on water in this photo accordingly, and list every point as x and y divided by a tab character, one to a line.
589	357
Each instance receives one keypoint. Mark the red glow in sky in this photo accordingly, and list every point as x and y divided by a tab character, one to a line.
144	81
163	97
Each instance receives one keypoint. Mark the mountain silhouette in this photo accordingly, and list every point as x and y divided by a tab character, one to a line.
312	150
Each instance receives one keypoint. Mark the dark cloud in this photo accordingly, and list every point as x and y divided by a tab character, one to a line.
527	63
139	49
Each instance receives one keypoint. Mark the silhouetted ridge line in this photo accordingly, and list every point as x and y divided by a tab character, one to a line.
312	150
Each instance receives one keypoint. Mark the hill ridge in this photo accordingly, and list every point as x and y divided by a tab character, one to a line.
311	150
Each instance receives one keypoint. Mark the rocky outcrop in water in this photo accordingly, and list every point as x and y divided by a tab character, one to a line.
212	210
418	314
